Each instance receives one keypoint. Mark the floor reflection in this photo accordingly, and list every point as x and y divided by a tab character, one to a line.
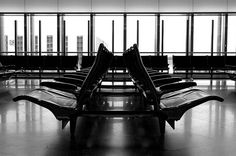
208	129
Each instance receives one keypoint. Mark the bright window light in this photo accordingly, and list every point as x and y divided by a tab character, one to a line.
146	32
174	34
103	32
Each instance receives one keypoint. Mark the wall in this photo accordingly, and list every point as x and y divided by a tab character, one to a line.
117	6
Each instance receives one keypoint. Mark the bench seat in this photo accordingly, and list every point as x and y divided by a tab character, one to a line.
169	101
66	103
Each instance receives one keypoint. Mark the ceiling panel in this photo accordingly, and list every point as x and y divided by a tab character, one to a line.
210	6
175	5
108	5
141	6
74	5
41	5
12	5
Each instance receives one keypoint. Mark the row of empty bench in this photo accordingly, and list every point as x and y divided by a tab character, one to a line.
74	95
180	63
70	62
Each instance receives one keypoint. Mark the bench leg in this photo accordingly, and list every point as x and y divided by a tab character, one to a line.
162	124
211	73
72	126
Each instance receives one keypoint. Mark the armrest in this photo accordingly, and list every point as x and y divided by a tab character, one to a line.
84	69
77	82
232	76
60	86
232	67
84	73
154	73
163	81
176	106
62	107
176	86
150	70
10	66
81	77
159	76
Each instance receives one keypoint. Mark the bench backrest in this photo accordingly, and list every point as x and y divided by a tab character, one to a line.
117	62
87	61
182	61
68	62
157	62
96	73
139	73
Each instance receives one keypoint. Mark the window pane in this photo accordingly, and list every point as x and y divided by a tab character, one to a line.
146	32
174	34
202	34
231	35
76	34
48	33
9	34
103	32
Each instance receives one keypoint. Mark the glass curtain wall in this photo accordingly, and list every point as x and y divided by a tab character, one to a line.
109	29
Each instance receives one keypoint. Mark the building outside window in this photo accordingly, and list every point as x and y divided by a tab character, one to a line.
49	45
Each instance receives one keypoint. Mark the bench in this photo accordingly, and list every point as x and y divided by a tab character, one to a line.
67	106
170	102
7	71
117	63
156	62
196	64
87	61
231	67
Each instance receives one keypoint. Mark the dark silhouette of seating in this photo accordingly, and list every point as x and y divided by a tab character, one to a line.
117	63
231	67
68	62
170	102
68	106
7	71
156	62
181	63
194	64
87	61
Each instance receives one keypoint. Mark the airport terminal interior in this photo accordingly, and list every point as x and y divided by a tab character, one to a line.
117	77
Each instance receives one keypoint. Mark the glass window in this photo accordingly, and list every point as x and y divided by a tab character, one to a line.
174	34
9	34
231	48
103	32
76	34
202	34
48	34
147	32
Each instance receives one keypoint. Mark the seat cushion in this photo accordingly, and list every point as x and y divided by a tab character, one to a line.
180	99
54	97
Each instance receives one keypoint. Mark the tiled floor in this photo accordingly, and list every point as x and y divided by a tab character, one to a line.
28	129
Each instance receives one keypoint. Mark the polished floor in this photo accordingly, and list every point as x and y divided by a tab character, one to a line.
28	129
